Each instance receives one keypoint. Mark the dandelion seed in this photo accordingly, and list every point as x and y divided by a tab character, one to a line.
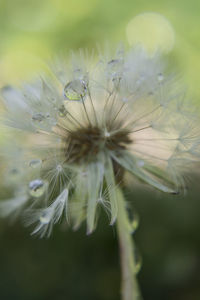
13	205
47	217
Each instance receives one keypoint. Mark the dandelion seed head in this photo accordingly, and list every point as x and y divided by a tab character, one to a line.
73	138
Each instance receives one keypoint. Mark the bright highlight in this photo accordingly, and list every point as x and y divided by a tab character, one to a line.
151	30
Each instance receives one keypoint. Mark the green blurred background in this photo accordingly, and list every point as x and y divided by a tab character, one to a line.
72	265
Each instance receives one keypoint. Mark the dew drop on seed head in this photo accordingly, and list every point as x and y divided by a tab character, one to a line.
36	188
75	90
35	163
45	217
38	117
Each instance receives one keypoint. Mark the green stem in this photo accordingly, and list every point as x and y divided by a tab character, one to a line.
129	285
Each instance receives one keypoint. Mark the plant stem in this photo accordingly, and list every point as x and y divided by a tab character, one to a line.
129	285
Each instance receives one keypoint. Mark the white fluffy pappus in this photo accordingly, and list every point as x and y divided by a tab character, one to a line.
81	129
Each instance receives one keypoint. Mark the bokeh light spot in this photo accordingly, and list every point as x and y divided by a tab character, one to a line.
151	30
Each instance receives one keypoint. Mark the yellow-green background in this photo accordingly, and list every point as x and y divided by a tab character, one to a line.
32	31
70	265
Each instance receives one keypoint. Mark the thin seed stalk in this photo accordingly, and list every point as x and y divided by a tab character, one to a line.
129	285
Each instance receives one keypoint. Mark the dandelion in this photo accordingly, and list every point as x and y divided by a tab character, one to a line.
74	135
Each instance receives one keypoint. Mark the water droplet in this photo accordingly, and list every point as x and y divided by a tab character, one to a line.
38	117
35	163
160	77
36	188
45	217
62	111
75	90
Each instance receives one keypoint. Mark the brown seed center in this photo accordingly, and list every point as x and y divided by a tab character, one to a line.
85	143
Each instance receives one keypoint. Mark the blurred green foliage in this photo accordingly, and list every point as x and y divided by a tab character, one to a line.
33	31
70	265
